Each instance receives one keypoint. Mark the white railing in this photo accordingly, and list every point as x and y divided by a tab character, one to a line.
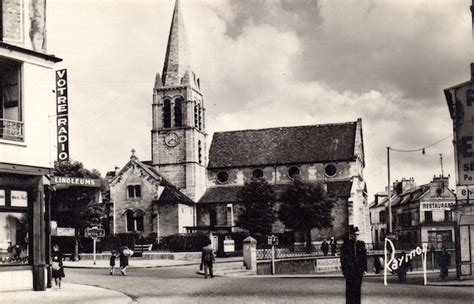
11	130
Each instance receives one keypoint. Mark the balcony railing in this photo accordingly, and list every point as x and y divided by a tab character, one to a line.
11	130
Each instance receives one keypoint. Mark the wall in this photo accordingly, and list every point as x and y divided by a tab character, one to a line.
132	175
186	217
38	104
168	219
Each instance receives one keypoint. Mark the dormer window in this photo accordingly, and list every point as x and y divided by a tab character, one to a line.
134	191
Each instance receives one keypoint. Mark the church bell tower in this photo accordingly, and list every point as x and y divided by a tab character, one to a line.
178	135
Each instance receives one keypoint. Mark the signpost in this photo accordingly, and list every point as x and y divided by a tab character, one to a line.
94	233
229	246
273	240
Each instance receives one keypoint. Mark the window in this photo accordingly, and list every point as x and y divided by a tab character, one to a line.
167	114
11	122
222	177
212	217
200	118
440	239
139	220
382	217
448	216
330	170
199	152
178	112
257	173
293	172
130	221
428	216
134	191
196	115
14	237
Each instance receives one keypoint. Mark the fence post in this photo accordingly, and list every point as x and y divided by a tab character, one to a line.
250	253
273	259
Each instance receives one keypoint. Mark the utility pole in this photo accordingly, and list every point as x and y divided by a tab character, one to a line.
389	196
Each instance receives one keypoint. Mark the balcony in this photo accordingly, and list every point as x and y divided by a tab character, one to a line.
11	130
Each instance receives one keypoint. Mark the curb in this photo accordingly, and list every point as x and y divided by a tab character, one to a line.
131	267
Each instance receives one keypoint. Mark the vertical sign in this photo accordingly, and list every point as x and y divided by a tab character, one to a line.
62	118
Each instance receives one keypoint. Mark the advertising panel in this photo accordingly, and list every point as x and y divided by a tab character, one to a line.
62	118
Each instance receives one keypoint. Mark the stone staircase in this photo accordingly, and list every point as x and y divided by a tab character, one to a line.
230	269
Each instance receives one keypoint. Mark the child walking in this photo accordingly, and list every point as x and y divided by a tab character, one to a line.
112	262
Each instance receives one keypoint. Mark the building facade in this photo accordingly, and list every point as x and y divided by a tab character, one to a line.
26	101
331	154
420	215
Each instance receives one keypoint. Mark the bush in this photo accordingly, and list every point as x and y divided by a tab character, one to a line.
184	242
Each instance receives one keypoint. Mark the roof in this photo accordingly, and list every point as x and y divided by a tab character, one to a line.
178	58
228	194
285	145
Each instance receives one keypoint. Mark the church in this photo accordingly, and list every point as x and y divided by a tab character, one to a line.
185	189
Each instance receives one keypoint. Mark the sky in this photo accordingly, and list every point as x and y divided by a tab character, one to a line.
270	63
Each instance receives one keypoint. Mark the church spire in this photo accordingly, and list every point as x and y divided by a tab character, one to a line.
178	57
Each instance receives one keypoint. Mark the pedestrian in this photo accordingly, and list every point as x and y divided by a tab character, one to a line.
57	266
333	244
125	253
377	264
444	262
354	265
325	248
403	269
113	256
208	259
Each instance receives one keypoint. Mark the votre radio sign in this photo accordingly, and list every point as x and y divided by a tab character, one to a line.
62	118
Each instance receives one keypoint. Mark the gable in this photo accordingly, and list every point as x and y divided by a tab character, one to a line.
304	144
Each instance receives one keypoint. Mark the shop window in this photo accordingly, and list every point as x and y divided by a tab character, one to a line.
428	216
222	177
440	239
293	172
178	112
330	170
134	191
166	114
257	173
11	122
14	237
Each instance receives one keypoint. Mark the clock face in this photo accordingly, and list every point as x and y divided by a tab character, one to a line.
171	140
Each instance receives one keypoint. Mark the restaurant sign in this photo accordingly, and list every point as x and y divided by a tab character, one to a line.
437	205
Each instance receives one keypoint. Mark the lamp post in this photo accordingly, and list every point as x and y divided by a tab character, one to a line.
389	196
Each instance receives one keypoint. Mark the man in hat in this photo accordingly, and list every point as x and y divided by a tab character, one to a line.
353	264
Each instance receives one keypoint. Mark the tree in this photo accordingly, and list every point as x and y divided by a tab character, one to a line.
257	199
305	206
76	207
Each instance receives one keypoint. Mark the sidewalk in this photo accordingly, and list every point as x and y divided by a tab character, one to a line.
69	293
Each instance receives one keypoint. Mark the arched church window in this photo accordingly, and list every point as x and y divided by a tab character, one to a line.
178	112
196	115
139	214
200	118
166	114
130	221
199	152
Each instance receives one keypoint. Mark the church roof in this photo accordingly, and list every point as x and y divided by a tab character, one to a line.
228	194
178	57
286	145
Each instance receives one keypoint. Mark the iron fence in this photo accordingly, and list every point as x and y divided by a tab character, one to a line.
288	251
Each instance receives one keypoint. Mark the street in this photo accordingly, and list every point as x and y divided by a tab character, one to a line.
183	285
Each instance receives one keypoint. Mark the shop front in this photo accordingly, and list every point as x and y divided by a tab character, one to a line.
22	227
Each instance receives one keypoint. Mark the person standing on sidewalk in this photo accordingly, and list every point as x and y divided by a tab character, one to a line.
208	259
325	248
113	256
444	262
57	266
333	244
354	265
